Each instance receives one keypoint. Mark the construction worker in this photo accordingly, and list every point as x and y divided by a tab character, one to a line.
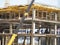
46	31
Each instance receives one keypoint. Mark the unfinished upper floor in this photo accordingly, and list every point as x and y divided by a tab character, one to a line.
41	12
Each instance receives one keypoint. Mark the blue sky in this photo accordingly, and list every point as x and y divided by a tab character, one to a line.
19	2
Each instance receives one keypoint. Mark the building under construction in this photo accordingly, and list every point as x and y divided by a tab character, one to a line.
33	28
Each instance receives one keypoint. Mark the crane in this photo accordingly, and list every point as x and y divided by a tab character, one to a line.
20	25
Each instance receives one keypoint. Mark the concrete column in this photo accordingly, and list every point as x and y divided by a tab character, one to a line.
24	41
19	14
0	42
39	43
10	17
6	40
55	29
40	39
55	16
55	34
11	29
33	27
33	39
34	14
3	39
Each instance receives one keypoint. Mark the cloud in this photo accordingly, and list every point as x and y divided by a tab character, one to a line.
49	2
20	2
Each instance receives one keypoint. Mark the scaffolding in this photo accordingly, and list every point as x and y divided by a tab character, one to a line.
40	17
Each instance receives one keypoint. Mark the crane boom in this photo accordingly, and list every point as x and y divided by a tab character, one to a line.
20	25
28	9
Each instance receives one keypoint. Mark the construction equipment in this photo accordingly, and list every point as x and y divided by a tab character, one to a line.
19	26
